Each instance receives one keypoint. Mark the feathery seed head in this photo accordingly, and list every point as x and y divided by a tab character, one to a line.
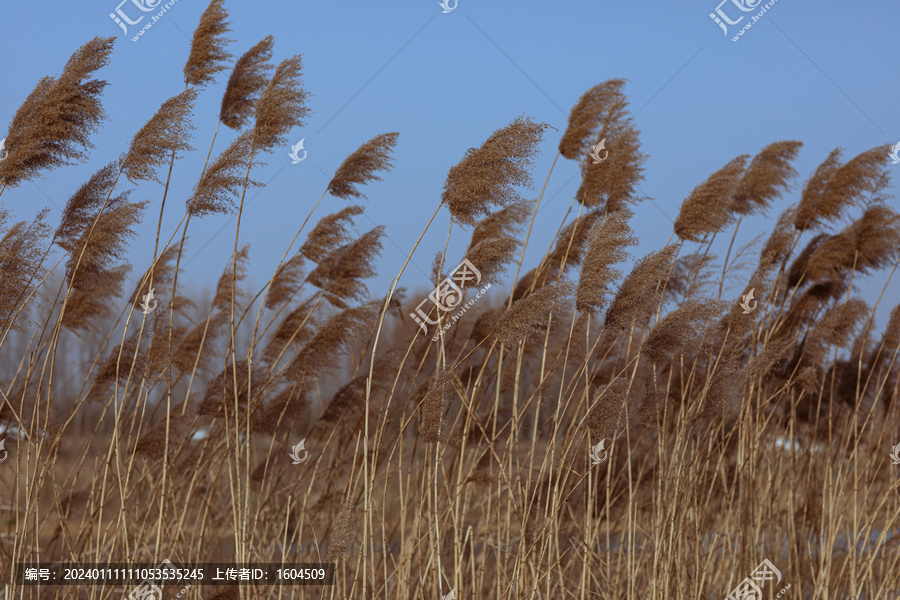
587	116
766	178
487	175
52	127
281	106
607	241
247	81
709	208
362	166
208	55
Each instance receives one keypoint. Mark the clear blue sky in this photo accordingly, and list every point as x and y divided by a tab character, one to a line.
823	74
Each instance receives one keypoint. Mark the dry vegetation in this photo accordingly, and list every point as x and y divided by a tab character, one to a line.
460	463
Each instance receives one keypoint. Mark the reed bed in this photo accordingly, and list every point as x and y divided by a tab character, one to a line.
458	461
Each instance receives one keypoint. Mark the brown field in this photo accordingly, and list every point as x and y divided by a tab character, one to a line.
462	462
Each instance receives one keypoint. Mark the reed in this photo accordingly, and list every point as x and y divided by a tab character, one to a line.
458	461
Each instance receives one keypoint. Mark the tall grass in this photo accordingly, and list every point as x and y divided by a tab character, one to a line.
460	461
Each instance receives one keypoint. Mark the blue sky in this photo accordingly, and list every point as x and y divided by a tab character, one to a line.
824	75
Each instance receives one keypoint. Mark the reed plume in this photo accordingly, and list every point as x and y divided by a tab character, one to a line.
247	81
281	106
330	232
491	256
690	275
572	242
441	392
193	350
507	221
345	527
347	407
529	316
607	241
153	443
332	341
162	273
228	388
164	340
279	414
21	257
98	238
834	329
208	55
870	242
223	180
340	272
487	175
833	188
780	243
724	390
53	126
612	183
133	360
162	137
587	116
607	414
91	300
296	329
681	329
222	298
285	282
767	176
641	291
363	165
709	208
798	268
108	240
890	340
